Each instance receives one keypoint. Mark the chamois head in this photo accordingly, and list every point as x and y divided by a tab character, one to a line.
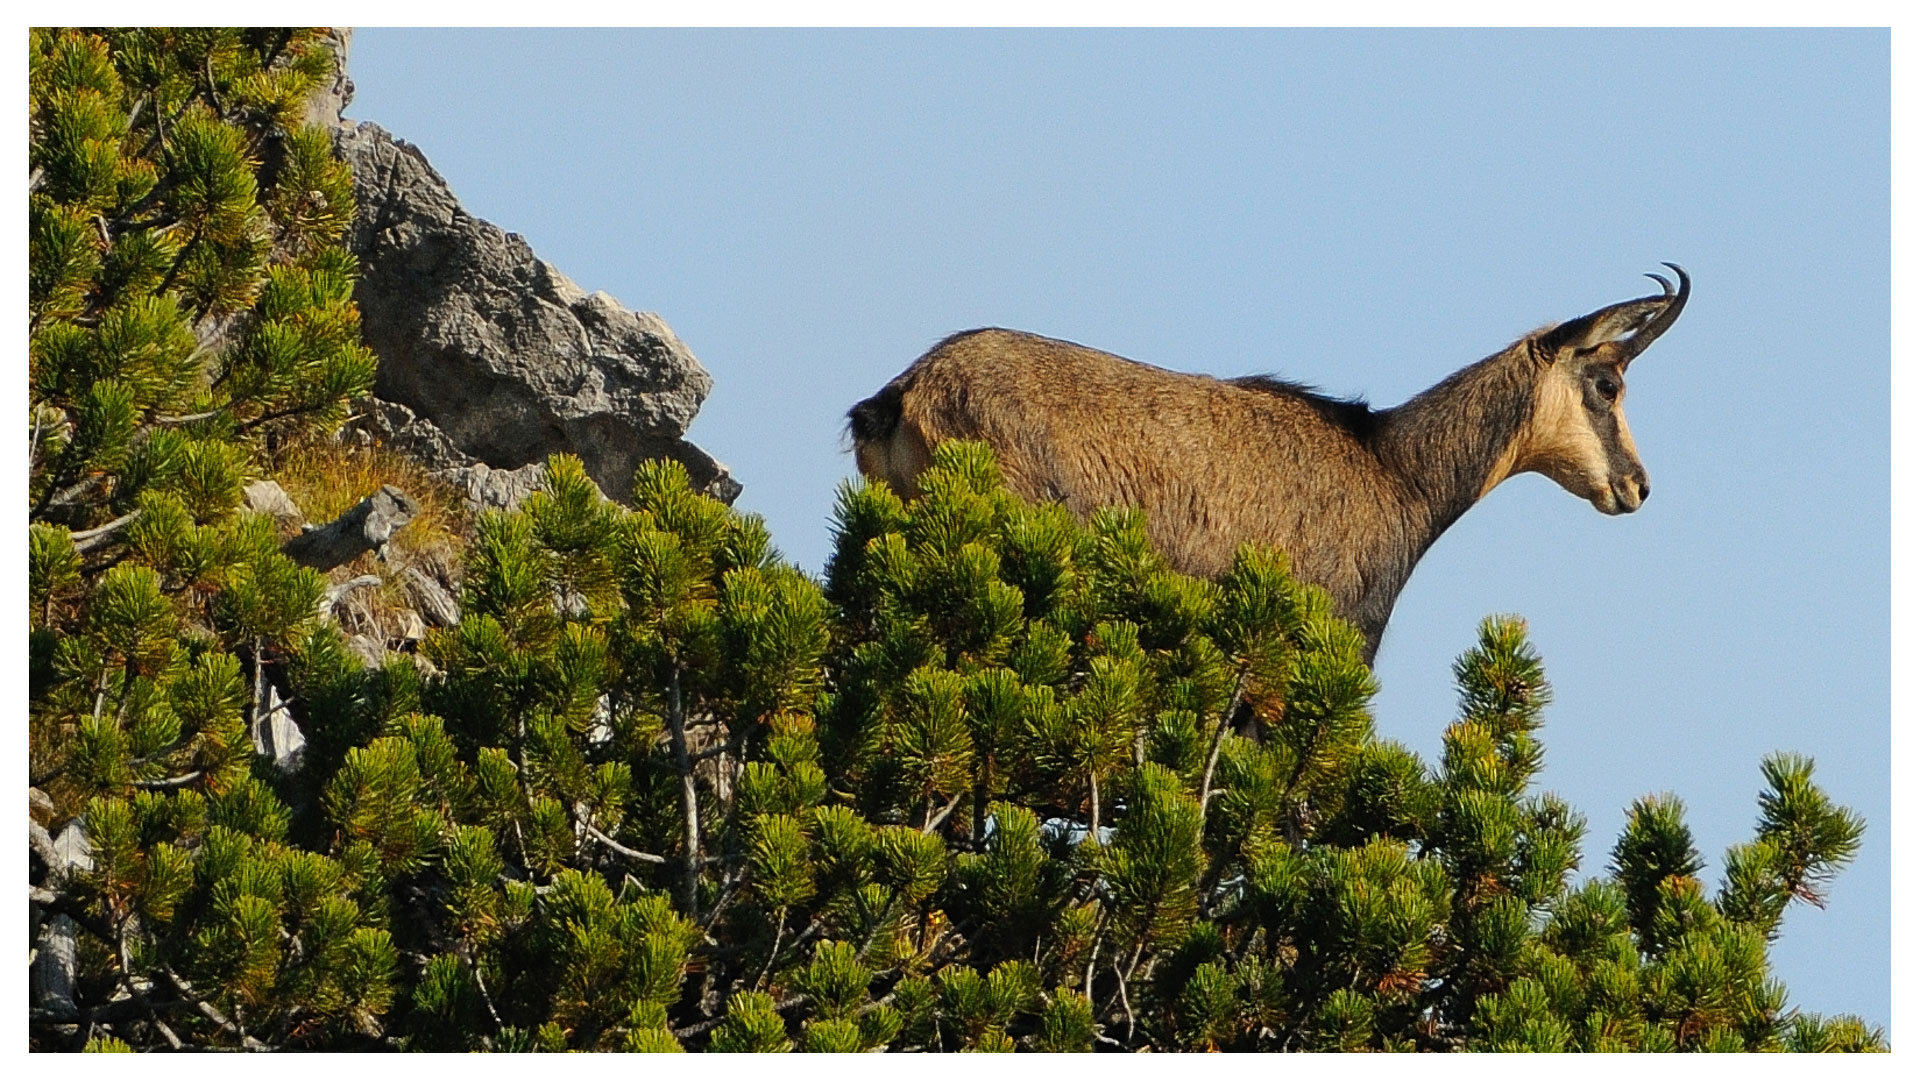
1577	434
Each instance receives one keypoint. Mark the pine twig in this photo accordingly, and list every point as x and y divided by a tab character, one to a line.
934	822
1124	1003
33	443
485	995
213	95
1219	737
727	896
1093	822
206	1008
170	782
621	849
785	1004
1094	957
689	797
59	903
139	996
190	418
779	931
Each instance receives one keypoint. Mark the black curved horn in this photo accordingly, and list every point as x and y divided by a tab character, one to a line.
1675	301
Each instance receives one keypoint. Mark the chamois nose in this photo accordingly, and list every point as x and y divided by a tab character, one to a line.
1634	490
1626	492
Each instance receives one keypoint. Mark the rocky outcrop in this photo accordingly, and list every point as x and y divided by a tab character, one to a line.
490	361
366	527
496	358
330	100
498	350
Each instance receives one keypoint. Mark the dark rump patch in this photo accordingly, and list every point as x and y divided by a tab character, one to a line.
1353	414
876	417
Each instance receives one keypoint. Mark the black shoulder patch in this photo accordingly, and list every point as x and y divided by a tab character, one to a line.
1352	414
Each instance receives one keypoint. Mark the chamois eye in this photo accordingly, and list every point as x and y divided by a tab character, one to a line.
1608	388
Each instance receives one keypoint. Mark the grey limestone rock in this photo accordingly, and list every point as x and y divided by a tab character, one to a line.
366	527
268	497
431	599
52	971
487	487
328	102
276	737
507	359
395	426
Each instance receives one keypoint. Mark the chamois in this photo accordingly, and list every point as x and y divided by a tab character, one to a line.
1354	495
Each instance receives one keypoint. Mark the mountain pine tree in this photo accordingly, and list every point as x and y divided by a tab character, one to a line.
1000	781
189	315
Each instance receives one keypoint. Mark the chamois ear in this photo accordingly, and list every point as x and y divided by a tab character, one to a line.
1630	326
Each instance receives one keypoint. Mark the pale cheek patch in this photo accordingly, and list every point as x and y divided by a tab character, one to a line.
1561	441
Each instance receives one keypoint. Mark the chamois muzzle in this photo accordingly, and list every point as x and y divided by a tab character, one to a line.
1670	301
1626	493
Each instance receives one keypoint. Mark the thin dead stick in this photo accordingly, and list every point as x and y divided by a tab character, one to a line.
1219	737
935	821
621	849
88	539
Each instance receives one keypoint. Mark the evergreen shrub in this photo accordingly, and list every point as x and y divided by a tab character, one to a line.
1000	781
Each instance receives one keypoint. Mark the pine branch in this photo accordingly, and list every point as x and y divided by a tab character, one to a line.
57	495
170	782
1093	956
1093	828
779	930
785	1004
621	849
206	1008
136	993
33	441
335	593
485	995
689	798
190	418
1124	1003
88	539
727	895
934	822
1219	738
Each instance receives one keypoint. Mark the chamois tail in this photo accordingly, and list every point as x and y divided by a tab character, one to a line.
885	447
875	419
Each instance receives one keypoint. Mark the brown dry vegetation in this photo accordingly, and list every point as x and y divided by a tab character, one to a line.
327	477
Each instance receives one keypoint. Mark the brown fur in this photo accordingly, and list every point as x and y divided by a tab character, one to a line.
1354	495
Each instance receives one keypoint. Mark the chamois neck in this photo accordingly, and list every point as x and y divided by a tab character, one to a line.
1451	443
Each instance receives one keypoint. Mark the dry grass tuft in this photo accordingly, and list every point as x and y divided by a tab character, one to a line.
326	478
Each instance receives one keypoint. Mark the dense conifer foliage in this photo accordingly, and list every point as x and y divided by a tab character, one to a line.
1000	781
190	317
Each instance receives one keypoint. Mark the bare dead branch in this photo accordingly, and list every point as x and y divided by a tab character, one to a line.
88	539
190	418
621	849
1219	737
934	822
207	1009
170	782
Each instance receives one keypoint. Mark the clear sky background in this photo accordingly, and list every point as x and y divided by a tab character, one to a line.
1366	211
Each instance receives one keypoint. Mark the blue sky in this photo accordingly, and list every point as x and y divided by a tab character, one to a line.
1366	211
